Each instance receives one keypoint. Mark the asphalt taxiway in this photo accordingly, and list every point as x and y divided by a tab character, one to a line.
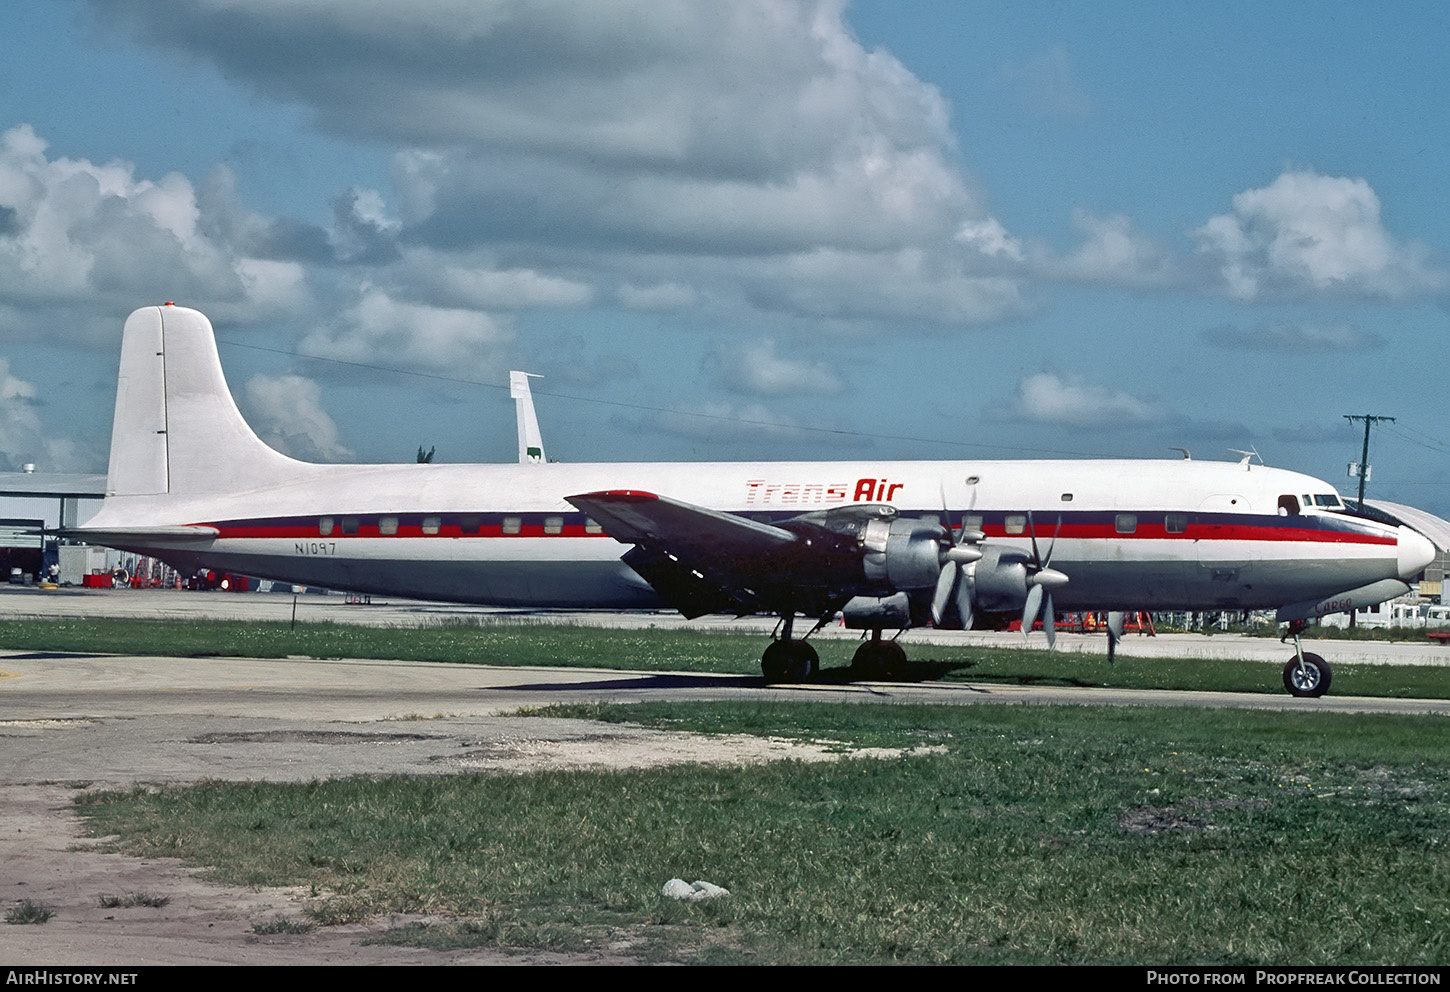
71	721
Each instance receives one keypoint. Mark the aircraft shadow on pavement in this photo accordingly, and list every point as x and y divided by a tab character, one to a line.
917	672
49	655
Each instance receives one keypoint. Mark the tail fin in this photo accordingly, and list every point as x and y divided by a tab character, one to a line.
177	429
531	442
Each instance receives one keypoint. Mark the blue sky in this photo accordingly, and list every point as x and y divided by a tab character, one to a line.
755	230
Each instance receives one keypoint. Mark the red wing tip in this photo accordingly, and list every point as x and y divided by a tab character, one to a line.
619	496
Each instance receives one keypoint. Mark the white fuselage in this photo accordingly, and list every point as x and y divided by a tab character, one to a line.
1129	534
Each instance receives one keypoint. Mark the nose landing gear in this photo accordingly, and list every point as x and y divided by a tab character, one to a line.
1306	675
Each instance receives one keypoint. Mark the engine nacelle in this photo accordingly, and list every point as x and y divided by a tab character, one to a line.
903	553
878	612
999	580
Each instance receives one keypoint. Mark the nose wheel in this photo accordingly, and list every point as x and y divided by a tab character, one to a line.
1306	675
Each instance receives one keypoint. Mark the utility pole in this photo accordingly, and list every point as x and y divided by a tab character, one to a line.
1369	420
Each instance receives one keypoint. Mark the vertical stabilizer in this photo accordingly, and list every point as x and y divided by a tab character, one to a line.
531	442
138	431
177	429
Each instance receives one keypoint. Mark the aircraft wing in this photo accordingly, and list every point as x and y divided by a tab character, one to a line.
700	560
636	517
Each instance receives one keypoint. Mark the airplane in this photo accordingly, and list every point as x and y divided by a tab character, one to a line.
886	545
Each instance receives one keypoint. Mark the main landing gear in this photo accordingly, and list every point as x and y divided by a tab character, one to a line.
1306	675
878	660
787	660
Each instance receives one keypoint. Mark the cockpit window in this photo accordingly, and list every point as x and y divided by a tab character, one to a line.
1289	503
1327	499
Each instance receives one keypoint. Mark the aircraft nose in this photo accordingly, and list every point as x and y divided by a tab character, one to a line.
1415	553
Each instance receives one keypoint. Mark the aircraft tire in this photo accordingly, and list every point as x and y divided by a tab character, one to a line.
1311	683
789	661
880	661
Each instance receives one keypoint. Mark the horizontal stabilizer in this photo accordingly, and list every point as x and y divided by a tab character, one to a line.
121	537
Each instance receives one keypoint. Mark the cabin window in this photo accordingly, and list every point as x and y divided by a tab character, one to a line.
324	526
349	525
553	525
1067	497
512	525
1015	523
1289	503
1126	523
470	524
387	525
431	524
1175	523
592	526
972	521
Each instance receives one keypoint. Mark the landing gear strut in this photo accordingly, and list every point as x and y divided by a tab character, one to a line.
1306	675
787	660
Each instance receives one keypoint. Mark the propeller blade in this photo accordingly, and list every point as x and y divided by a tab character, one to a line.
964	599
1049	620
1055	531
945	584
1029	610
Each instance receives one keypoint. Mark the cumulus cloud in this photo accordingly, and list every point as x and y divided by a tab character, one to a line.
23	437
729	423
628	140
77	232
758	369
380	328
1114	252
1308	234
286	412
1053	398
1306	339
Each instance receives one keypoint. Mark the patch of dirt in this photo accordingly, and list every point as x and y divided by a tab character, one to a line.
1188	814
43	858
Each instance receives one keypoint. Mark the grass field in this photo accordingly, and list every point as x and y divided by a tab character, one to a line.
998	835
679	650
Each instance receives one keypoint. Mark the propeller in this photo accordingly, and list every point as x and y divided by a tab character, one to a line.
1115	632
1040	582
953	557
